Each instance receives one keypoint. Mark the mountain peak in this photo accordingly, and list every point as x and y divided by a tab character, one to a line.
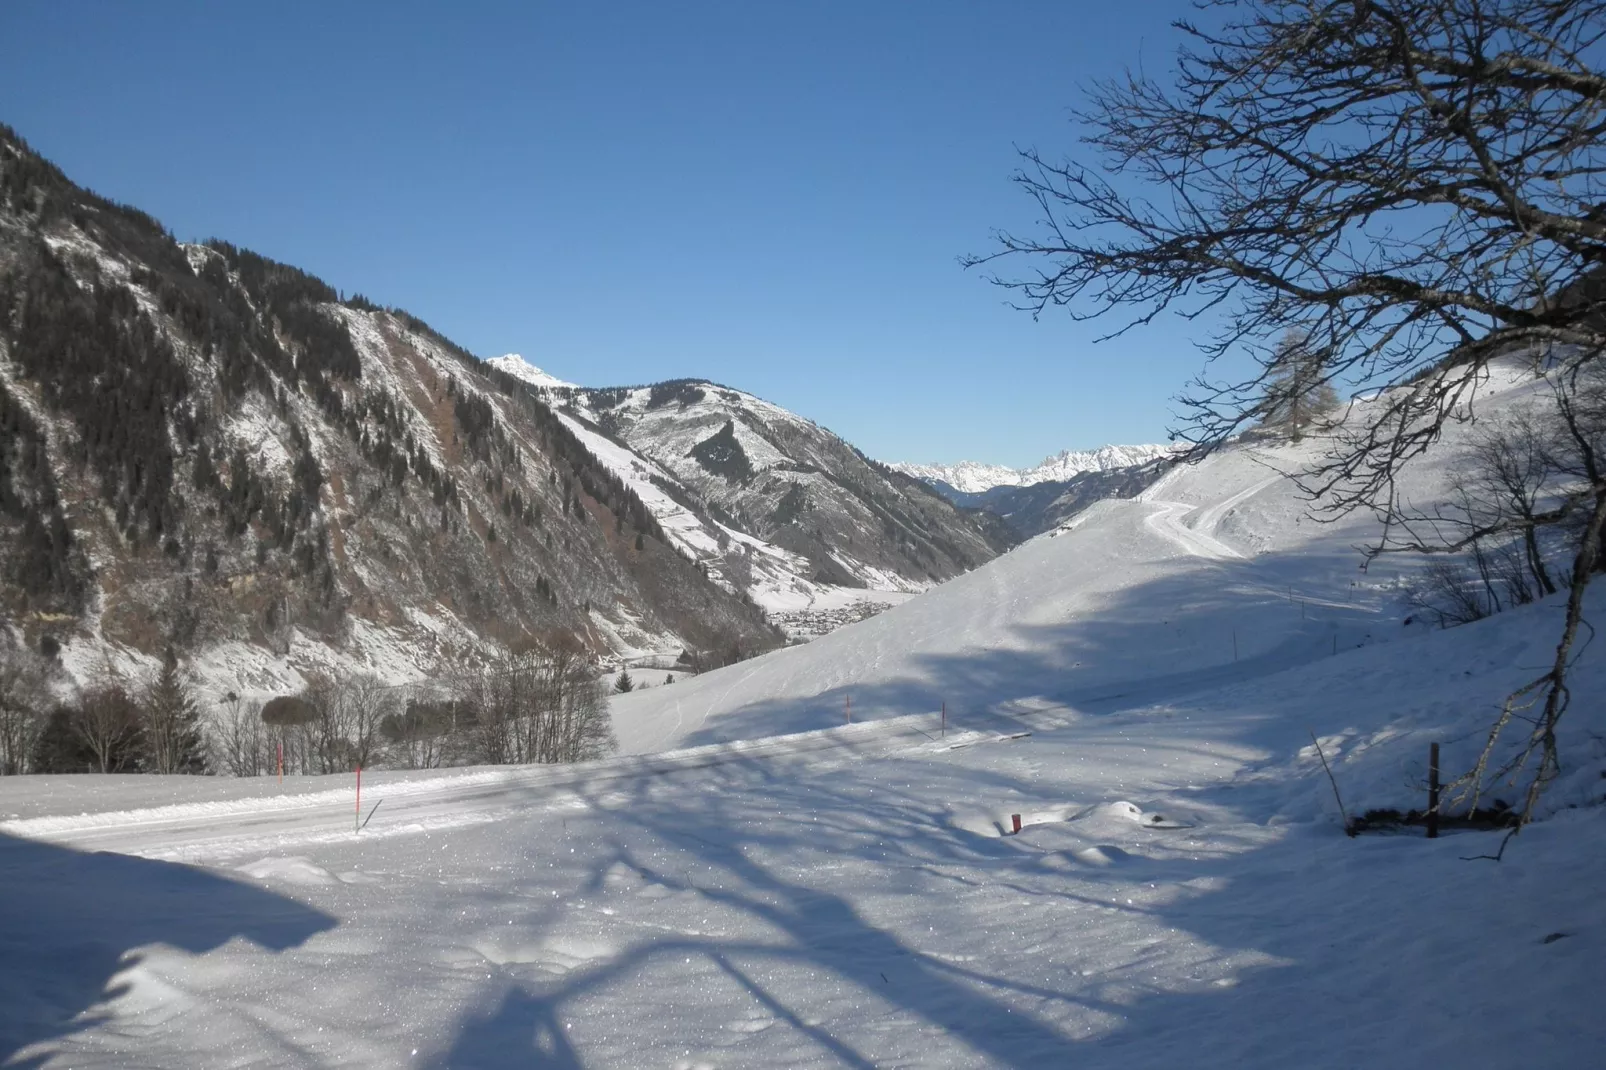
516	366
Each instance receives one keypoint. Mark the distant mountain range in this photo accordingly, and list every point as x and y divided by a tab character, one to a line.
1034	500
974	477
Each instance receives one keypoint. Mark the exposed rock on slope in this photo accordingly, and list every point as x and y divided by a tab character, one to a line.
770	501
1040	507
202	447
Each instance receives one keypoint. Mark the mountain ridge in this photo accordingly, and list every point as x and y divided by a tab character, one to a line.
975	477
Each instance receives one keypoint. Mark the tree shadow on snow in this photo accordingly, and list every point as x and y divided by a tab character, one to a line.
1258	974
1286	948
719	859
69	920
521	1033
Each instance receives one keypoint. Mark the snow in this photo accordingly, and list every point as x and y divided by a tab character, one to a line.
517	366
973	477
778	584
1141	687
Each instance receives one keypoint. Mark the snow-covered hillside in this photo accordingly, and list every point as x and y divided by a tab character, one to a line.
1140	689
1216	573
973	477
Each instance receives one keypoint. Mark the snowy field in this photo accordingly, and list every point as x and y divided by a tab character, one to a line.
1141	689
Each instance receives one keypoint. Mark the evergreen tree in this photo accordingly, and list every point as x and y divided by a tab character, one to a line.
173	739
625	684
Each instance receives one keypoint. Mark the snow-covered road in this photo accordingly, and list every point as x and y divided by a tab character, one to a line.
254	819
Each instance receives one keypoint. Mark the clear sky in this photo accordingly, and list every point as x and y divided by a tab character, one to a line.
770	195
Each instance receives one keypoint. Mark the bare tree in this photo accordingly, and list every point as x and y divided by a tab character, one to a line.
294	723
537	705
107	721
24	703
368	701
239	738
1514	467
1414	184
1297	393
420	735
325	697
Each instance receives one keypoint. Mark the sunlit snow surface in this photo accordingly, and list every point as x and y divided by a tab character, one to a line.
1180	894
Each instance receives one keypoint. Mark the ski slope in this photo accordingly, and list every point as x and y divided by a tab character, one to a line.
761	884
1216	573
1194	584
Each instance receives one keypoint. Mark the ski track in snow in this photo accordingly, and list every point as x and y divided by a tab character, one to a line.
1166	522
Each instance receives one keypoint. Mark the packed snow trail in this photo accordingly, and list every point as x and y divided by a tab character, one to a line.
263	820
1166	521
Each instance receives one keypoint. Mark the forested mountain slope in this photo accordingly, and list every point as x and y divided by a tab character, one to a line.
201	447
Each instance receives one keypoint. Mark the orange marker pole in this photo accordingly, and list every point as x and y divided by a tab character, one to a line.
356	821
281	763
847	706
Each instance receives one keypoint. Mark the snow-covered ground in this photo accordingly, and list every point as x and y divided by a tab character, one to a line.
1141	688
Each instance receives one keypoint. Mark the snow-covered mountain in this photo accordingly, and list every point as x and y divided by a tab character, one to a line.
208	451
974	477
968	477
516	366
766	501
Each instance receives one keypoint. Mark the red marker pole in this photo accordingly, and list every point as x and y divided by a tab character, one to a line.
1015	819
944	720
281	763
847	705
356	821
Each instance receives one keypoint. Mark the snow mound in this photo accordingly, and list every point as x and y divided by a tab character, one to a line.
294	870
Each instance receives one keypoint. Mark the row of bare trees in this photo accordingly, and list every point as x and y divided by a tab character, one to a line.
1514	509
112	724
532	706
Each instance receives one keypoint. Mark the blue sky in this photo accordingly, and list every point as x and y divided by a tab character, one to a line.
770	195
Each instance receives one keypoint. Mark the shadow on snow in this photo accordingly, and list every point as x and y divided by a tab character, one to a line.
69	922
